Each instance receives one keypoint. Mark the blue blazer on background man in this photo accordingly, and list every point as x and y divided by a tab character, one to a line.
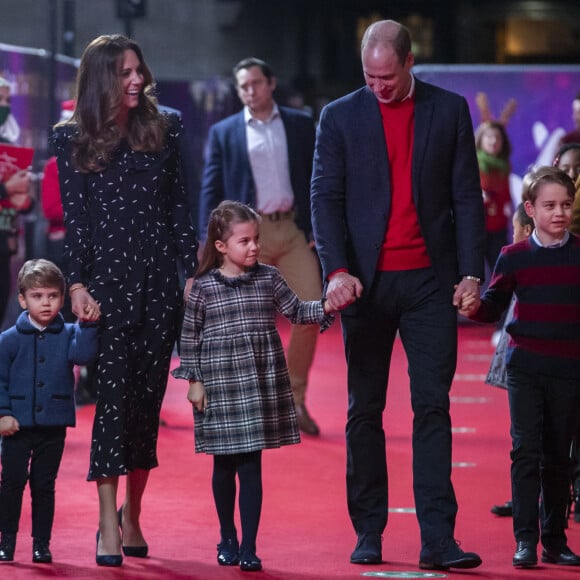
228	175
445	182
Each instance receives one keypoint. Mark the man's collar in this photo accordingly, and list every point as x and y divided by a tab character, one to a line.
248	118
411	90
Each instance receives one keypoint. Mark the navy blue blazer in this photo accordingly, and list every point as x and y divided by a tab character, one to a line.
228	175
351	192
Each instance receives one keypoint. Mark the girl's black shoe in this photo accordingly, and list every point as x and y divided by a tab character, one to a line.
228	552
249	562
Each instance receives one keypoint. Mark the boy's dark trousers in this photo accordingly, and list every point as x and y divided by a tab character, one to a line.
42	448
543	411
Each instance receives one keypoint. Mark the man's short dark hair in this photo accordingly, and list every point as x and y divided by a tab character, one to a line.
250	62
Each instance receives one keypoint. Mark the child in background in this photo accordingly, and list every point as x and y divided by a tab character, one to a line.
37	404
232	355
493	156
523	225
568	160
543	363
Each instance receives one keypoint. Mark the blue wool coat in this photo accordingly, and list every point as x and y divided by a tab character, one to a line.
36	370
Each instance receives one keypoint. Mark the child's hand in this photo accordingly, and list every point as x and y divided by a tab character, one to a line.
92	312
468	303
196	395
84	306
8	426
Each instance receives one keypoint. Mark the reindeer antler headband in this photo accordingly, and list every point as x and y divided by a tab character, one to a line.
485	110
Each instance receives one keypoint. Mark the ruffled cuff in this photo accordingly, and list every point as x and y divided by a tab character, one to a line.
187	373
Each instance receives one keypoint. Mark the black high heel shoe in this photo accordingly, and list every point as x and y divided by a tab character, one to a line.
112	561
132	551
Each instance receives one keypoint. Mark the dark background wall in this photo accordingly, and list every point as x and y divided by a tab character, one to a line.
312	44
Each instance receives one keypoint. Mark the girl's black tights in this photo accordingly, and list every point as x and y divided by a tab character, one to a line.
248	467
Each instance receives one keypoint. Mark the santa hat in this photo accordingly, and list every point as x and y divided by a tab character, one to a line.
67	109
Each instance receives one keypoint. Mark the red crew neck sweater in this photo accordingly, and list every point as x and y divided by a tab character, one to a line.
403	247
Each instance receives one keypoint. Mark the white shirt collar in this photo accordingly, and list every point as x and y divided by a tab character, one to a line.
559	244
36	325
249	119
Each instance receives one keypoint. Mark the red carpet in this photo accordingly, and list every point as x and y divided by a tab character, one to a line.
305	531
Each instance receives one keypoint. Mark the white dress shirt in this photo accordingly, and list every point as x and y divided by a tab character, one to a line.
268	152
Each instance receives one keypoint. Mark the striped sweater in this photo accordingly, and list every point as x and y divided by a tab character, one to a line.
545	329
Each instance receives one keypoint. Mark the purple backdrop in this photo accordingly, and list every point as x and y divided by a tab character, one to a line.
544	97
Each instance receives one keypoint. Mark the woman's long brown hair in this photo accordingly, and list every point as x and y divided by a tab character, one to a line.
99	95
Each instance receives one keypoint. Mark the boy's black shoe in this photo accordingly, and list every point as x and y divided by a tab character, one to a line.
41	552
7	547
526	555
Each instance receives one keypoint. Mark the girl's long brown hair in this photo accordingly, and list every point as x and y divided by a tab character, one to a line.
221	221
99	95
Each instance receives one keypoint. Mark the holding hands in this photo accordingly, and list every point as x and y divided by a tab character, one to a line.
466	297
83	305
343	289
468	304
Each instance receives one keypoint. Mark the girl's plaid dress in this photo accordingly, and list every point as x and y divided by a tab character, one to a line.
229	341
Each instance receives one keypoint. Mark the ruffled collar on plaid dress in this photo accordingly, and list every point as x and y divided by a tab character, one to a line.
236	281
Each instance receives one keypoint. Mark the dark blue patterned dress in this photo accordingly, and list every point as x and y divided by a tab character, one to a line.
127	228
230	342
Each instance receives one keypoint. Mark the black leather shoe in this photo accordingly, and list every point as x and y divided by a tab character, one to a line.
525	556
447	554
563	557
228	553
504	511
41	552
249	562
7	547
368	549
111	561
